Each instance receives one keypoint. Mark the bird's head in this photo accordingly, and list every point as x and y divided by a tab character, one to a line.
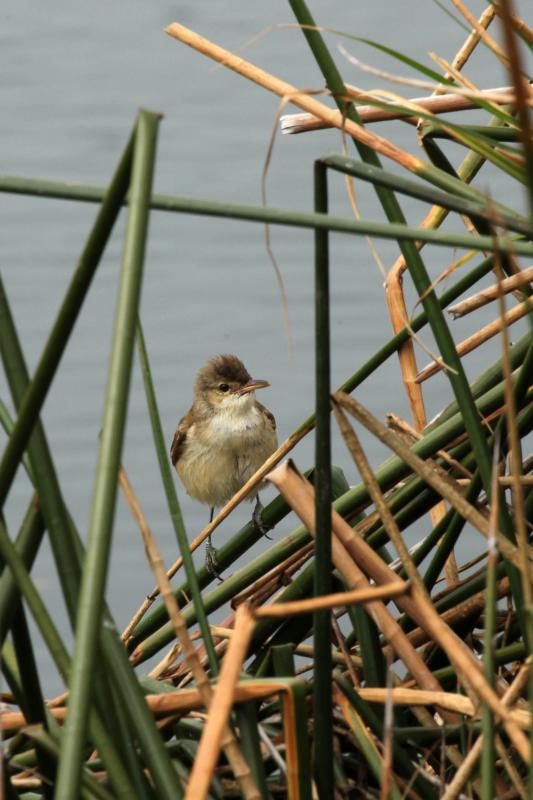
224	382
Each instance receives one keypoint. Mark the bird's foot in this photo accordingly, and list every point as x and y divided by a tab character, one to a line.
257	519
211	562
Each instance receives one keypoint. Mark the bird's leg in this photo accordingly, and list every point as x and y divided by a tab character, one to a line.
211	564
257	519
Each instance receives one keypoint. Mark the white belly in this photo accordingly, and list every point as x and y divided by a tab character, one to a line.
216	463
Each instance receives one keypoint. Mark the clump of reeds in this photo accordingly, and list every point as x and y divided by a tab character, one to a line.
345	667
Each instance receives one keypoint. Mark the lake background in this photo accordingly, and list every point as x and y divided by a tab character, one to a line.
72	80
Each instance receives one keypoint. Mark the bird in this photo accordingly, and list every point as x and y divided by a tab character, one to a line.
223	439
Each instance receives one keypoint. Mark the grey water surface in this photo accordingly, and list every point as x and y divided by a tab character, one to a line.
72	79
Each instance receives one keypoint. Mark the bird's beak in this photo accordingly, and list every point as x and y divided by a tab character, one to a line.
251	386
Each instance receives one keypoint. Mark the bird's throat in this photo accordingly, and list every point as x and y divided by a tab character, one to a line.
234	420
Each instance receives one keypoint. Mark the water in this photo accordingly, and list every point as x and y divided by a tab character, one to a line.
72	82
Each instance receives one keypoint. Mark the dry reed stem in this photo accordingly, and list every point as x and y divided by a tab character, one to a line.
445	700
337	633
407	358
296	96
388	737
520	789
306	650
350	715
398	309
181	669
519	25
462	611
237	498
277	573
482	33
415	604
368	478
506	480
337	600
464	87
161	705
219	710
431	476
398	425
472	40
300	495
434	104
491	293
231	747
27	782
167	661
479	338
399	318
455	786
486	422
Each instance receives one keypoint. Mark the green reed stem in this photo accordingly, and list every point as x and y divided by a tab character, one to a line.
96	560
173	502
418	272
273	216
32	698
80	283
474	209
323	712
60	656
27	544
387	475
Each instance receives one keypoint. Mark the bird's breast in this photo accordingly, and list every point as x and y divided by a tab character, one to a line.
231	428
222	453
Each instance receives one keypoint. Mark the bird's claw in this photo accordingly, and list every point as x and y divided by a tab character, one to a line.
257	519
211	562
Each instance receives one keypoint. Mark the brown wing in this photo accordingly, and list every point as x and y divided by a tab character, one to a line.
180	437
268	414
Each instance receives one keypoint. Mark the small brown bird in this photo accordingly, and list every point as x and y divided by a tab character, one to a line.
224	438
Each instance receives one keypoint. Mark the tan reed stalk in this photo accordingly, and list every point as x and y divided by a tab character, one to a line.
362	464
454	788
507	480
335	627
337	600
511	770
519	25
398	425
238	763
398	308
462	611
296	96
480	30
430	476
298	492
300	495
278	576
214	730
306	650
480	337
444	700
491	293
434	104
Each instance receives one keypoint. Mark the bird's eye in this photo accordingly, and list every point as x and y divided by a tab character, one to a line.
224	387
